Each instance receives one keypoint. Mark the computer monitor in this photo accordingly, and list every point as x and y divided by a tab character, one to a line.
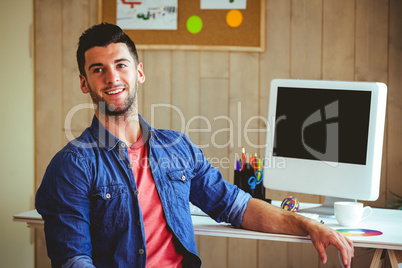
325	138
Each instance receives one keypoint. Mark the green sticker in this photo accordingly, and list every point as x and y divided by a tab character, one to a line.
194	24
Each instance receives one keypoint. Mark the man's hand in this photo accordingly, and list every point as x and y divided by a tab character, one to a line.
263	217
322	236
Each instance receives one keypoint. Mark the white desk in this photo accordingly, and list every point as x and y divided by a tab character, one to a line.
31	217
389	222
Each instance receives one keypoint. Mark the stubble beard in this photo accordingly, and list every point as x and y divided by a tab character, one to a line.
110	109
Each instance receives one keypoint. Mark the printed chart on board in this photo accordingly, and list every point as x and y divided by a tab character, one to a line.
147	15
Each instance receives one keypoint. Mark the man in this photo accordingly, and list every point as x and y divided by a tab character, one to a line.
118	195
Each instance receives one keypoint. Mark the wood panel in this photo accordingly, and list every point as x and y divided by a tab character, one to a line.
318	39
393	146
48	83
371	63
157	88
48	98
338	53
306	39
214	64
77	109
186	93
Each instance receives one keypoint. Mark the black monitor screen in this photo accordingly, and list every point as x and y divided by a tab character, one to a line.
322	124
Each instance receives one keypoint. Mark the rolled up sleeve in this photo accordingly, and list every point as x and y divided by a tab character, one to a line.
80	261
238	208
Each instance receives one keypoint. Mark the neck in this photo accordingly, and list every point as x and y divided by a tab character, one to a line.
125	127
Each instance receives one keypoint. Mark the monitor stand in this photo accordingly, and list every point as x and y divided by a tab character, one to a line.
327	208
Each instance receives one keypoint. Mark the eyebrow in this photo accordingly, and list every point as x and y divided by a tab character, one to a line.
100	64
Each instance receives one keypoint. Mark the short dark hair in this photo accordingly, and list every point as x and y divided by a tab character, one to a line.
101	35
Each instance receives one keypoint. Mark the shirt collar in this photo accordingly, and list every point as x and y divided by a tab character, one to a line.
109	141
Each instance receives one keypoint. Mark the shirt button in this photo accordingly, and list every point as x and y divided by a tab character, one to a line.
122	144
141	251
136	192
130	166
108	195
183	178
139	223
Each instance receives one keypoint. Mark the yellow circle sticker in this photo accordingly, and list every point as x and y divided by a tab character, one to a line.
234	18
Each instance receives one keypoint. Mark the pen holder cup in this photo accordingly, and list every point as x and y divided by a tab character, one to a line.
241	179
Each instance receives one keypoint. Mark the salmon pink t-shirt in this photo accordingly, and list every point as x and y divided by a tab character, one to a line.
161	250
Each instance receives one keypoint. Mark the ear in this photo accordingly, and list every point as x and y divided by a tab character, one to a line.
84	84
140	73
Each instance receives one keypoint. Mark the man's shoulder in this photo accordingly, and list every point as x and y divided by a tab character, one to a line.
82	146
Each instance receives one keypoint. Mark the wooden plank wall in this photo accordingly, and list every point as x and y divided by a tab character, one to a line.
220	93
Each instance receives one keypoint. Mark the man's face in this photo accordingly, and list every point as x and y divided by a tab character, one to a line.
112	78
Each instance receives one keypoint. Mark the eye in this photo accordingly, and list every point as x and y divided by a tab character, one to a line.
97	70
121	65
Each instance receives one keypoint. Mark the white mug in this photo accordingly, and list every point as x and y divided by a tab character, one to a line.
351	213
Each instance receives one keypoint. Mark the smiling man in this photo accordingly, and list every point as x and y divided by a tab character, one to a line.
118	195
115	81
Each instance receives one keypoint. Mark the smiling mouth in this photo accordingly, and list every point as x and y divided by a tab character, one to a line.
114	91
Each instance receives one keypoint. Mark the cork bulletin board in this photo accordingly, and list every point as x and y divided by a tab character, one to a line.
216	34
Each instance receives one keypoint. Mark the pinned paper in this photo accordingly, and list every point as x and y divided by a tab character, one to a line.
223	4
147	15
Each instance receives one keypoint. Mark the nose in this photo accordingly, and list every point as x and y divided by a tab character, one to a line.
112	76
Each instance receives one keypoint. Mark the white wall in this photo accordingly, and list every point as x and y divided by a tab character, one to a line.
17	131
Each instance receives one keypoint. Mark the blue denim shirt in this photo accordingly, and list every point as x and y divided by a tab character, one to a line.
88	198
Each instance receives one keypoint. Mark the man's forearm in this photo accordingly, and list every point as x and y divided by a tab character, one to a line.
264	217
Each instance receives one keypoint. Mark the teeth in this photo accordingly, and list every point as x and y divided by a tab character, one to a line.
114	91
